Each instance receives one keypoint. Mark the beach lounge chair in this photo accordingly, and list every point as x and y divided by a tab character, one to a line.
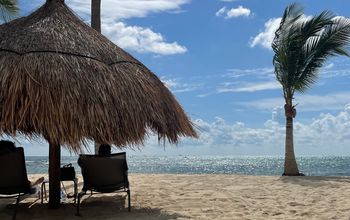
13	176
104	174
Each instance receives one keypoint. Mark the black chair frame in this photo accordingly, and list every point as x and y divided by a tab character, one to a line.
17	196
83	193
22	186
121	186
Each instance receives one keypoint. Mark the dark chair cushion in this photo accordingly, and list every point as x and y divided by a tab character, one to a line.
104	173
13	173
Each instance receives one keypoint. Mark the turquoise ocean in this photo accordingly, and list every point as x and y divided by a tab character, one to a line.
247	165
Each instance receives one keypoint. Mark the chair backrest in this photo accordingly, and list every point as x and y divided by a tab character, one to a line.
104	173
13	173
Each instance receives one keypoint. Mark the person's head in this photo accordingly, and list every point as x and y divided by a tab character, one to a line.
6	146
104	149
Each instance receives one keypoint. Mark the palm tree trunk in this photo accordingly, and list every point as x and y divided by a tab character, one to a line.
290	164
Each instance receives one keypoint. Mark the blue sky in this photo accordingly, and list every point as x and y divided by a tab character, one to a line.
214	55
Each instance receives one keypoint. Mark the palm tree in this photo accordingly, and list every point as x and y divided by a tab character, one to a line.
302	45
8	8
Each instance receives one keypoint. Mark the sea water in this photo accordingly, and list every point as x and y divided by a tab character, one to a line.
247	165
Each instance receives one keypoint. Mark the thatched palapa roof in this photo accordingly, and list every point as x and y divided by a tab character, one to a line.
62	80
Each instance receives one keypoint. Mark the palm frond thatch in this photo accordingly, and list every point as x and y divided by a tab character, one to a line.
62	80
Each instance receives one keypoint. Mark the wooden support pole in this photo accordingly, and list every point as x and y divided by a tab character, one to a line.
96	24
96	15
54	175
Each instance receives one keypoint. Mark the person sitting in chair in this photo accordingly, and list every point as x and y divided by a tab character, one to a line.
104	150
8	147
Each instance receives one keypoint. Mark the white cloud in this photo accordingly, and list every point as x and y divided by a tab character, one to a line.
263	78
329	66
140	39
306	103
221	12
220	133
121	9
250	87
176	86
326	134
135	38
264	104
203	95
266	72
240	11
265	38
339	68
333	101
243	80
257	79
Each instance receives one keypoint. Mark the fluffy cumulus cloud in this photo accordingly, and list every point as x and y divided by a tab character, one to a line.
265	37
220	132
240	11
140	39
324	135
327	134
134	38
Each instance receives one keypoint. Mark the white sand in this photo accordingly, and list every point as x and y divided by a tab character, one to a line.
207	197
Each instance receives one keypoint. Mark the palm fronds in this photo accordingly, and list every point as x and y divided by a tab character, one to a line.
303	44
8	9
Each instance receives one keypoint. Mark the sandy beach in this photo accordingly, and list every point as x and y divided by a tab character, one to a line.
206	197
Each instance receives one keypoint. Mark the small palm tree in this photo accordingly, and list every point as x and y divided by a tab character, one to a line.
302	45
8	8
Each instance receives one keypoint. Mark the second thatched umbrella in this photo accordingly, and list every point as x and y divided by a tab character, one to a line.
62	80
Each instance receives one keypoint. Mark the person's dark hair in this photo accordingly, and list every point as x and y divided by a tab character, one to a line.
104	149
6	146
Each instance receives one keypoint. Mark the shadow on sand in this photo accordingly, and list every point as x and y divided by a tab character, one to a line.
91	208
315	181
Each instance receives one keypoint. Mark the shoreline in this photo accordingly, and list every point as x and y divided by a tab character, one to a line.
330	166
207	196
